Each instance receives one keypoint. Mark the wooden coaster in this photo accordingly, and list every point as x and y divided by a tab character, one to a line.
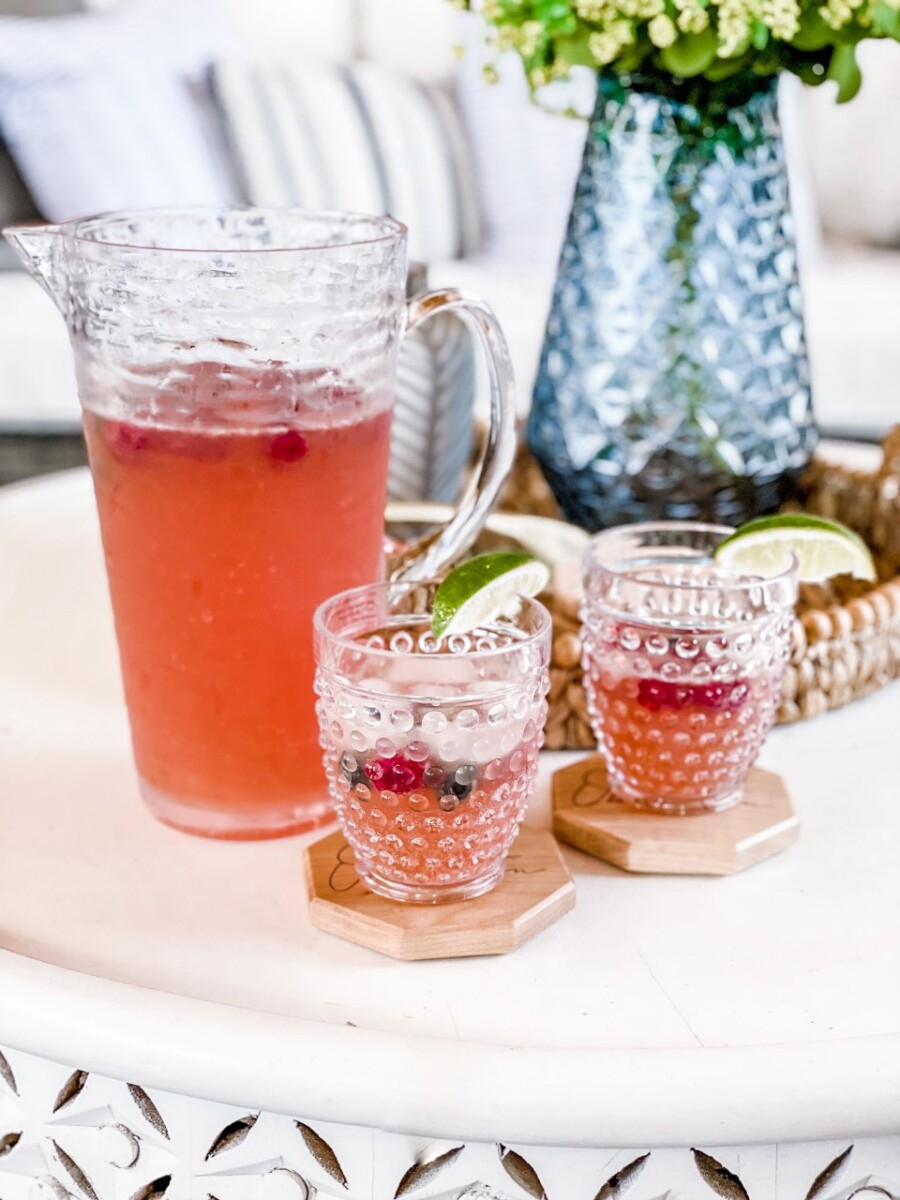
587	815
536	890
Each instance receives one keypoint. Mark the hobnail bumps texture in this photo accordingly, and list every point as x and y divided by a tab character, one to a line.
674	380
681	716
138	310
430	794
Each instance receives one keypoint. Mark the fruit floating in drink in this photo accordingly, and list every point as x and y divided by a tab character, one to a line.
431	743
224	524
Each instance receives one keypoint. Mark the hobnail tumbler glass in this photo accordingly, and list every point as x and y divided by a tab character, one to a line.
683	662
430	747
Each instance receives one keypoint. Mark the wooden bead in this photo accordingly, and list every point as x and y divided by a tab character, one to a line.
798	641
576	699
817	626
559	681
806	676
824	680
892	591
840	675
789	684
862	614
567	650
841	621
814	704
850	660
881	606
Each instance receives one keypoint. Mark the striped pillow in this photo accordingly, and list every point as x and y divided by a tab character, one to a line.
433	428
357	138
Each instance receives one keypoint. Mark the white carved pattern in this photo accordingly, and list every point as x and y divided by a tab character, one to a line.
66	1134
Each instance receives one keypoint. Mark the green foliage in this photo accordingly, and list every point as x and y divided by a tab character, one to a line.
844	70
704	45
691	54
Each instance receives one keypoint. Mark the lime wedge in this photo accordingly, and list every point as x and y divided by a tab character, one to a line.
484	588
823	548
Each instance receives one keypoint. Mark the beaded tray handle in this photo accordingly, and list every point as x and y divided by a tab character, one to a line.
846	638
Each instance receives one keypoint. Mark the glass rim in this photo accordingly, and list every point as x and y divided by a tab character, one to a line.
348	643
75	229
614	569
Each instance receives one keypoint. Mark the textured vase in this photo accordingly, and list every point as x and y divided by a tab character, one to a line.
674	380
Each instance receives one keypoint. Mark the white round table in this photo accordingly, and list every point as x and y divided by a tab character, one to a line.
754	1018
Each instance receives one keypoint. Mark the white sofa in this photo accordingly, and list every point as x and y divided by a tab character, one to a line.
528	161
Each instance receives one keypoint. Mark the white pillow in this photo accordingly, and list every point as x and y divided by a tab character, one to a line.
527	159
854	151
98	109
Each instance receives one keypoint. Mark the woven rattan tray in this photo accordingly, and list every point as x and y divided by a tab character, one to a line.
846	639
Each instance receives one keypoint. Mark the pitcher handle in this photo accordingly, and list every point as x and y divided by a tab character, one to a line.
500	446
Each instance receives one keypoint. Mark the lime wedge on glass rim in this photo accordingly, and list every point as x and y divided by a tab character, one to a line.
823	548
484	588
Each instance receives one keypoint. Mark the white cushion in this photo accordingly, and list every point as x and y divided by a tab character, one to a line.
853	151
98	112
319	30
414	37
527	159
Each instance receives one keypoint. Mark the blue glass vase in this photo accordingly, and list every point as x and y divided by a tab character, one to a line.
674	380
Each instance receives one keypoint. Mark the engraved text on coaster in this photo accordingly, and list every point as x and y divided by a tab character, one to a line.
535	891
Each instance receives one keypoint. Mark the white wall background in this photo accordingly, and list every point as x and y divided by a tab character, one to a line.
414	35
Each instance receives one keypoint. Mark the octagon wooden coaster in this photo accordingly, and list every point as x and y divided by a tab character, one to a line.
536	890
587	815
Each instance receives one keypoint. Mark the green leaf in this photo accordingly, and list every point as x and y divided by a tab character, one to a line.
724	68
808	74
574	50
692	54
886	21
813	33
557	16
844	70
632	57
760	37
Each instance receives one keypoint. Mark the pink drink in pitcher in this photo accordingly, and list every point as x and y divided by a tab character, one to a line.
222	533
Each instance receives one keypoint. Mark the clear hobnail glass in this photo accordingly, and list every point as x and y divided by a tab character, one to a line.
430	747
674	380
683	662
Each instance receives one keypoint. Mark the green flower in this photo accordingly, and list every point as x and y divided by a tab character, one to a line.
717	46
662	31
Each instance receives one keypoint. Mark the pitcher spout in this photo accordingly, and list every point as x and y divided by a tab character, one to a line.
36	246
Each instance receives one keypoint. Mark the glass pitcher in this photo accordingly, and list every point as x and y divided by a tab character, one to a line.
236	373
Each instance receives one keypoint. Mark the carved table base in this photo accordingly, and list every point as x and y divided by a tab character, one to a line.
64	1132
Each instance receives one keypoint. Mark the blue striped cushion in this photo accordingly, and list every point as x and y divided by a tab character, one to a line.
360	137
433	429
97	108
